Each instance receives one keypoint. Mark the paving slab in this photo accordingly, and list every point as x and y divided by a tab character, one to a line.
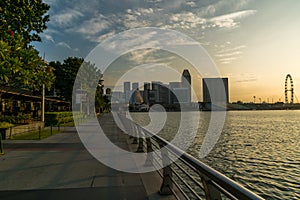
60	167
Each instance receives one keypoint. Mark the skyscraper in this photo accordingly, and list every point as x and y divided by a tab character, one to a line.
186	82
156	91
127	92
172	96
213	90
146	92
133	98
135	86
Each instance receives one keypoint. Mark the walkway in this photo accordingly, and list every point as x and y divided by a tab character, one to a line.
60	167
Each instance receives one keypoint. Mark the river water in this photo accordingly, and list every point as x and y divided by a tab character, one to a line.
258	149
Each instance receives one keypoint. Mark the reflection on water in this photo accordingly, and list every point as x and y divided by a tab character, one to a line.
259	149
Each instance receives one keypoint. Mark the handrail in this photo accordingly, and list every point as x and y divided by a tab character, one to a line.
223	181
212	180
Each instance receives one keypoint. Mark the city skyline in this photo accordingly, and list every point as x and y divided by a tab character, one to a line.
254	43
285	98
155	91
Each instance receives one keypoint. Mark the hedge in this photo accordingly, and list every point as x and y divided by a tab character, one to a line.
19	119
5	125
57	118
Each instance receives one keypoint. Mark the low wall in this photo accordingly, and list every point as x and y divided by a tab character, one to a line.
21	129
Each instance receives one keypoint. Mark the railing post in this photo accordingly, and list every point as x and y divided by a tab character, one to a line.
130	130
133	126
140	148
211	193
10	132
167	184
40	132
1	146
149	159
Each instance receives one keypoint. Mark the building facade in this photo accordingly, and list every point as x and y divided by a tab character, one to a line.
127	91
186	82
215	90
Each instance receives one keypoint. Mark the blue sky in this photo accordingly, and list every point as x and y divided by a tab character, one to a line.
253	42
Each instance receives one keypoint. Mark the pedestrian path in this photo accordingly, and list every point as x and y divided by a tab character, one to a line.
60	167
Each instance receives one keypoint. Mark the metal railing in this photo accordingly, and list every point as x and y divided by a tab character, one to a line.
186	177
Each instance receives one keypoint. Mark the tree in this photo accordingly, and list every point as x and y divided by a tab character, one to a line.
89	75
21	22
25	17
20	66
65	76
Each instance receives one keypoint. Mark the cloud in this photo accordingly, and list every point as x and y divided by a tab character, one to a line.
63	44
111	16
142	56
191	3
234	53
230	20
105	36
228	54
247	80
48	37
93	21
50	2
244	78
141	17
65	17
228	60
221	7
237	48
93	26
186	20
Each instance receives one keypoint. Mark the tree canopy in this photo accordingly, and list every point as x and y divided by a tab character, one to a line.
66	74
25	17
20	63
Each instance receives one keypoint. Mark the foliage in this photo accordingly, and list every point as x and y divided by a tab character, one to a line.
89	77
5	125
90	74
15	119
20	66
57	118
24	17
65	76
102	102
20	63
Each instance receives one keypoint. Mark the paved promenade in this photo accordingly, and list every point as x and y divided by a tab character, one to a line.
60	167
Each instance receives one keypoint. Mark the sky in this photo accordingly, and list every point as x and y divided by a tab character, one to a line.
255	43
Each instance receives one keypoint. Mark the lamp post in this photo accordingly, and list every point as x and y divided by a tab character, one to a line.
43	104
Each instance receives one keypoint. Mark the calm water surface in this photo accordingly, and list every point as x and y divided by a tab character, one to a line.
259	149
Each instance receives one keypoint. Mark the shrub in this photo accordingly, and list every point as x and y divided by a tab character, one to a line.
15	119
57	118
5	125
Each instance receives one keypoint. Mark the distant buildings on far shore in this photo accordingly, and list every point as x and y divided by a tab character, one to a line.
156	92
215	93
172	94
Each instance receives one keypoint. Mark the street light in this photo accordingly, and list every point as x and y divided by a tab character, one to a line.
43	104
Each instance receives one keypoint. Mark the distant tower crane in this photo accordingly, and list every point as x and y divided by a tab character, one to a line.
289	89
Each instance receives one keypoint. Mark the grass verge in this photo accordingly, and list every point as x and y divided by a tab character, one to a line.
34	135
